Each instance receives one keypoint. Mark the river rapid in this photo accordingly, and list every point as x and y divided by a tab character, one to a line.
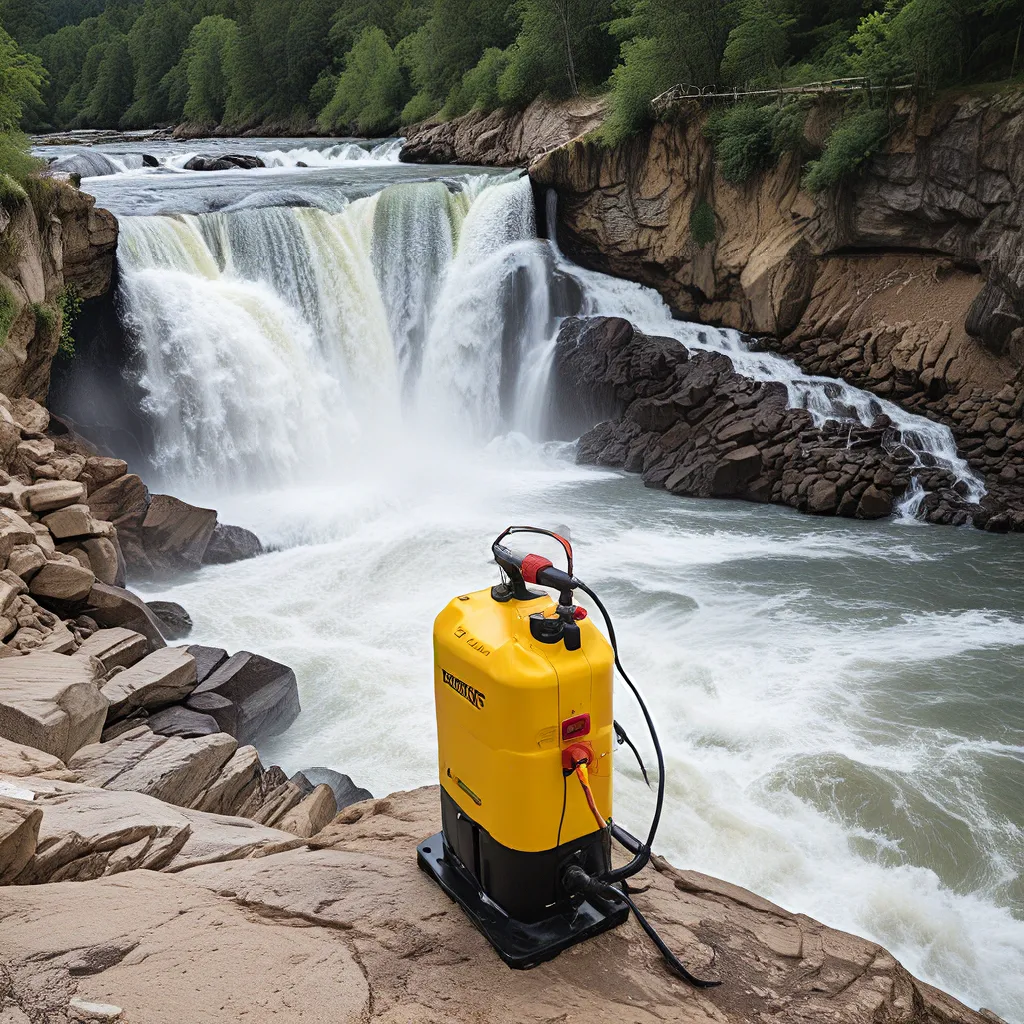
351	359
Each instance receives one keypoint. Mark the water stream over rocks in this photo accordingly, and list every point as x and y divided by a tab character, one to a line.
354	361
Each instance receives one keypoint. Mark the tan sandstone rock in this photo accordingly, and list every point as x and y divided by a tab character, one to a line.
50	702
161	678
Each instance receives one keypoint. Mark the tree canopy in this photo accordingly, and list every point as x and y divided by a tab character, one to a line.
369	66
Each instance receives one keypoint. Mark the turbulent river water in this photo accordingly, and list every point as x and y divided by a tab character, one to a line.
351	359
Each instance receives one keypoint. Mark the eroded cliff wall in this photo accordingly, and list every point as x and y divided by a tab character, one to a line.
909	281
60	241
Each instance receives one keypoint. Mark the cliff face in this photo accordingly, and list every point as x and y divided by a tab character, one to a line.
909	282
503	138
64	241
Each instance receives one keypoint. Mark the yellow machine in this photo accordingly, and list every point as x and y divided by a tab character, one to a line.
525	729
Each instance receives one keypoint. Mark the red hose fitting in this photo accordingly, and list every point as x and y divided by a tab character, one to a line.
576	754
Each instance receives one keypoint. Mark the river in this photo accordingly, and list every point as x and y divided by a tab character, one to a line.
350	358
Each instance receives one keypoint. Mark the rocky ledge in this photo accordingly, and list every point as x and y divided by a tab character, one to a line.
907	281
503	138
690	423
235	922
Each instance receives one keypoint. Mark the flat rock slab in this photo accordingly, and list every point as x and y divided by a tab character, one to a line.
170	768
114	606
51	702
87	833
19	835
17	760
115	648
161	678
367	936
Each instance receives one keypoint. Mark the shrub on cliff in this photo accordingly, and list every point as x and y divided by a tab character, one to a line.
853	142
749	139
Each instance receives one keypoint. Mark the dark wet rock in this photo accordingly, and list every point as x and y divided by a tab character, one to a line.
182	721
228	162
174	620
264	691
688	422
207	659
231	544
346	792
112	606
149	161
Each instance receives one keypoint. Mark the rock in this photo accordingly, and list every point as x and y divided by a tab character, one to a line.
230	162
176	534
207	659
358	925
50	702
65	582
161	678
504	138
231	544
265	692
822	497
30	416
75	521
84	1012
113	606
19	834
105	560
169	768
88	833
874	504
125	495
17	760
223	711
181	721
26	560
237	786
53	494
14	532
174	620
100	471
345	791
313	813
115	648
279	802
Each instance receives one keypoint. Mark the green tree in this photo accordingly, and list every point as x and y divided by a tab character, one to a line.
155	40
758	46
111	93
205	69
21	76
369	93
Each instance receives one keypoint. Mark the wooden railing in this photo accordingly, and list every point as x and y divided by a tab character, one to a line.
679	93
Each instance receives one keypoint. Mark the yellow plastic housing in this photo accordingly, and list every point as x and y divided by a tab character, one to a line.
501	698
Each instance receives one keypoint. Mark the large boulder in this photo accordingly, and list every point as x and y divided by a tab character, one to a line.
264	691
175	770
51	702
161	678
125	495
52	494
231	544
64	582
182	721
346	792
175	534
18	759
228	162
114	606
174	620
207	659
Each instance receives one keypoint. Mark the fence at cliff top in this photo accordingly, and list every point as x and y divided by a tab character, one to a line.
832	87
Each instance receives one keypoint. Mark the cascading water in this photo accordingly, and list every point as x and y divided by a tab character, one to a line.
424	297
351	375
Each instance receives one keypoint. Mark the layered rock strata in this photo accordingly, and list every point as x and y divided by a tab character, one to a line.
908	281
688	422
503	138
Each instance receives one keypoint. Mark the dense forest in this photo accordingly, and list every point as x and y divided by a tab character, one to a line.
369	66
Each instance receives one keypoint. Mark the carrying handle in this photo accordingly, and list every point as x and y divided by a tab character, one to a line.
534	568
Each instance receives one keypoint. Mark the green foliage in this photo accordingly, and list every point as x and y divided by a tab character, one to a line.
69	303
205	65
854	141
702	224
43	193
8	312
11	192
10	252
758	45
369	93
46	316
665	43
749	138
479	87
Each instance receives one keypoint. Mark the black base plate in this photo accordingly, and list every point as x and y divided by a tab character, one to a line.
519	944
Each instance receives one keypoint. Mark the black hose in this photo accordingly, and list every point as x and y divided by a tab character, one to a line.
643	855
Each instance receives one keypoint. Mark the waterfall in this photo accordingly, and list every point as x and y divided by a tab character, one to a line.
274	341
